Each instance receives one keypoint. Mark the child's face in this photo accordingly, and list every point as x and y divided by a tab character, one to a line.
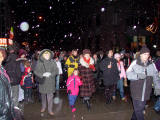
76	72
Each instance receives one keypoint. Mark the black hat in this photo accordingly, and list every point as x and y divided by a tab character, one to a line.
144	49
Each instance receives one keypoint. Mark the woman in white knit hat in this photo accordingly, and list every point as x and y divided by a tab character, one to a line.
122	74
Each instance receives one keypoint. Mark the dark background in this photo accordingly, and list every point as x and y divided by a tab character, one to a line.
68	24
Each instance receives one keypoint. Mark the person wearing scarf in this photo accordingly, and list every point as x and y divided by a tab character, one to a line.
86	69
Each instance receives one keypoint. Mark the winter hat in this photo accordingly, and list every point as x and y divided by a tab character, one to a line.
86	51
144	49
117	55
22	52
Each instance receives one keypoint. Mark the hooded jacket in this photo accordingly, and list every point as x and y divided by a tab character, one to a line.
141	88
44	66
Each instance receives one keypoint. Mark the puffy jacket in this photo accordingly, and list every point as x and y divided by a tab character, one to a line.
73	84
141	88
71	64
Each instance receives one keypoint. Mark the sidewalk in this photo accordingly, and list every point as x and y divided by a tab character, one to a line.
118	110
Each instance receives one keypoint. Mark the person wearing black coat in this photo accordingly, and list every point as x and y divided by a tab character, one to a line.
110	75
6	104
13	70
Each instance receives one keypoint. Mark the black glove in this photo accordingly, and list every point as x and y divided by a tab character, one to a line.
69	91
71	66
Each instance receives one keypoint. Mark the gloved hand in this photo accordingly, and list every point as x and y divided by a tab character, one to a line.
92	67
157	92
46	74
69	91
141	76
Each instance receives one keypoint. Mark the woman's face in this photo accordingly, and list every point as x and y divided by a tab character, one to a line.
46	56
118	58
87	56
1	58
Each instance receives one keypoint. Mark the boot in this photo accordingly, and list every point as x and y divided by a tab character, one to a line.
108	100
88	105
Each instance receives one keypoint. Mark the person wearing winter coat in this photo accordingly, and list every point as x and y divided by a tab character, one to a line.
86	70
27	82
21	59
142	73
157	64
59	72
13	70
110	75
6	103
73	83
72	62
122	76
46	69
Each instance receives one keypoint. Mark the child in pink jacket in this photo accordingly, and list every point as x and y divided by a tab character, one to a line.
73	84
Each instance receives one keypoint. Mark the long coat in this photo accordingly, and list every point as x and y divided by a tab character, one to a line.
43	66
87	77
110	75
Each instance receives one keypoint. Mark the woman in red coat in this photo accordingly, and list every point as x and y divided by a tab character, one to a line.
86	73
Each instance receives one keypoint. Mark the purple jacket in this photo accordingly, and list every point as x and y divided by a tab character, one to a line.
157	63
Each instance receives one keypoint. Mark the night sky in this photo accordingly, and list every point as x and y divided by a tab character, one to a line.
69	24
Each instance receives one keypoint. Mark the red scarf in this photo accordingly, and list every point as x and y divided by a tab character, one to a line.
87	61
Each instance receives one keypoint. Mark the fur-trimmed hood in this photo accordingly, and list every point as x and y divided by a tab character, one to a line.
83	63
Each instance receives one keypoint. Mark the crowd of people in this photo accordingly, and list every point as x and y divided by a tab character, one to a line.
81	73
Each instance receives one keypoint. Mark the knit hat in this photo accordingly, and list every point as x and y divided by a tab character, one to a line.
86	51
22	52
144	49
117	55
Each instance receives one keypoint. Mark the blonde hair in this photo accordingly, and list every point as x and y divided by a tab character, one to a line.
46	52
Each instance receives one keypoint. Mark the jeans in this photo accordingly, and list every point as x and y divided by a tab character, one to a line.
120	87
157	105
109	90
72	99
139	106
57	82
